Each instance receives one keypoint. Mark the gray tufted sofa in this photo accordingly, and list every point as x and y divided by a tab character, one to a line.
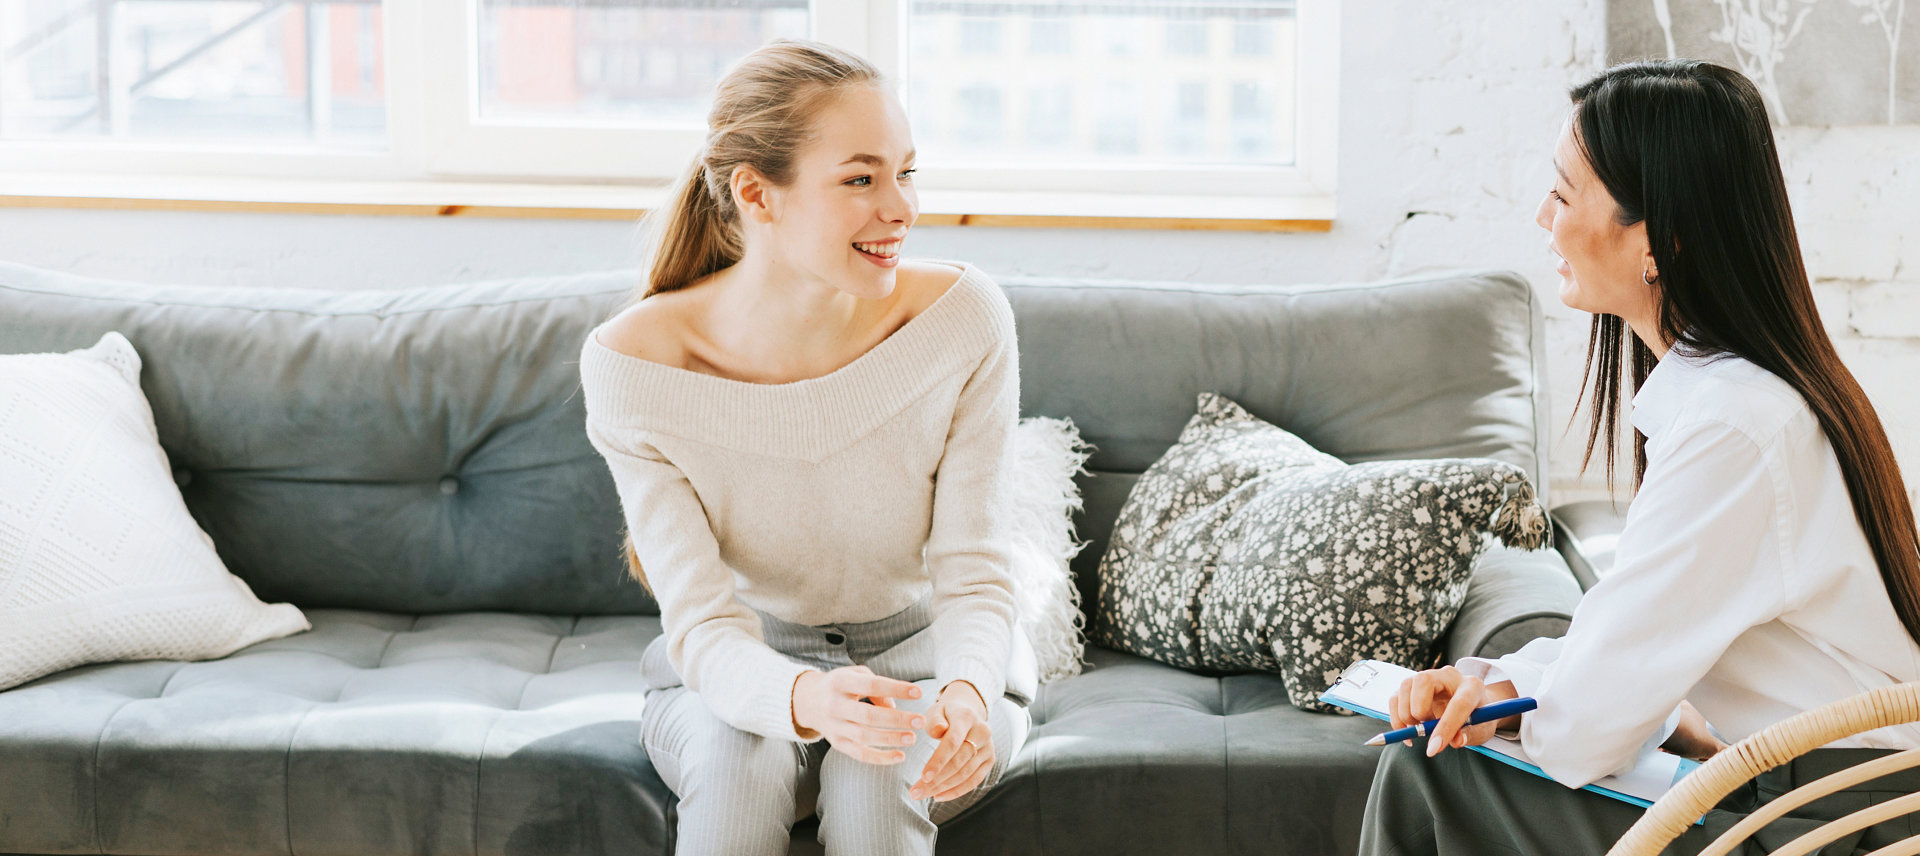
410	468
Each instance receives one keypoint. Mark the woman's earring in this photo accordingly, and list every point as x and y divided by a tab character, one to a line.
1648	276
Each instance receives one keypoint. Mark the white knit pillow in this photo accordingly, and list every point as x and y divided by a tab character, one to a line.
1045	455
99	559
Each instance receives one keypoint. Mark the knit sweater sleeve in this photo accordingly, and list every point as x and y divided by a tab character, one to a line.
967	552
714	640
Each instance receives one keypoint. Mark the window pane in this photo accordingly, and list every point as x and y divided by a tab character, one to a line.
1048	106
1187	126
194	71
1127	81
619	62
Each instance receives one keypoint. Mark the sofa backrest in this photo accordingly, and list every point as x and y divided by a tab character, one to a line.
419	450
1439	366
423	450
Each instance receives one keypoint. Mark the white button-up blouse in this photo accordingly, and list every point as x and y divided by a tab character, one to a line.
1742	582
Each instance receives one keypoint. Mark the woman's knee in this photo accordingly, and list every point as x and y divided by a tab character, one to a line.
749	761
695	751
854	776
1409	780
864	808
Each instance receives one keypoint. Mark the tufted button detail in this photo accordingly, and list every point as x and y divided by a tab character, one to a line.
449	486
181	477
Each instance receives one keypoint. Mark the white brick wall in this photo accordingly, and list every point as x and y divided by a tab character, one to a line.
1448	122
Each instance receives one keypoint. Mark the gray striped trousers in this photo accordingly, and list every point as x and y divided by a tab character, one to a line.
741	793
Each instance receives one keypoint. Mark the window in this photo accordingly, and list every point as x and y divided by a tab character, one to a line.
980	113
1186	37
307	74
1049	37
979	36
1146	73
1118	130
1049	117
1188	97
1187	126
1254	38
1253	126
1120	34
651	64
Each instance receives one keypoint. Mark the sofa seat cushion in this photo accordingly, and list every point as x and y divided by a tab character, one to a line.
373	733
1134	756
499	733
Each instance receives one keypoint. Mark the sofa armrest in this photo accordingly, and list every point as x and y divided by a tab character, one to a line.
1515	596
1584	533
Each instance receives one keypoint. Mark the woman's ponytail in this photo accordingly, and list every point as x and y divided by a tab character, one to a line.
694	236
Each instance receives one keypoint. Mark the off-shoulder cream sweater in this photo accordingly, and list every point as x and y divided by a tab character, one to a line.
836	499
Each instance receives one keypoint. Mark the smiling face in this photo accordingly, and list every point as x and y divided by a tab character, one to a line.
1601	262
844	218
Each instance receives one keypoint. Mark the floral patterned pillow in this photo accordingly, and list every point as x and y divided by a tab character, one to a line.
1245	549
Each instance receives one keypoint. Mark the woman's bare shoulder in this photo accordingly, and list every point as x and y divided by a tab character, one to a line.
654	329
920	282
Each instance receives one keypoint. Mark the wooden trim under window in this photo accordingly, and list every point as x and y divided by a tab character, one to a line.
612	202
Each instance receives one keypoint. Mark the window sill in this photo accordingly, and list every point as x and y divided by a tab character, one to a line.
628	202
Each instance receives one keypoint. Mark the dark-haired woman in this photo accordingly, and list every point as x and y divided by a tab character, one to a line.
1768	564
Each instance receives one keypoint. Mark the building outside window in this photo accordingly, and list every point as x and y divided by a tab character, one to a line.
1254	38
980	36
1118	130
1252	125
617	89
1049	123
1187	37
1187	127
981	114
1049	37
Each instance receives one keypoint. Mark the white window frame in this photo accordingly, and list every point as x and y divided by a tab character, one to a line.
435	133
1309	178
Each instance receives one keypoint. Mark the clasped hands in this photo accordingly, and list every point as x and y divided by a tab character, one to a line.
1450	696
853	708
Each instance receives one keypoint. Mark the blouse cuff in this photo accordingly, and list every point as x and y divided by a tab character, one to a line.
1660	735
1525	677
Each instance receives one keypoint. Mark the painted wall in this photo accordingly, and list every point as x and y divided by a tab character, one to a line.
1448	121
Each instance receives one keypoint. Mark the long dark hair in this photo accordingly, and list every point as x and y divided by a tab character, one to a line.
1685	147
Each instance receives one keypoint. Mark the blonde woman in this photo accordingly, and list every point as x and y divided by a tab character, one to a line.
808	434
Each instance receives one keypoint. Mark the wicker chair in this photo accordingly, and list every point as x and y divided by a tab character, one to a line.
1776	745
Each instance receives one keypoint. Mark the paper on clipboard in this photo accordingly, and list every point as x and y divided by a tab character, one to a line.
1366	687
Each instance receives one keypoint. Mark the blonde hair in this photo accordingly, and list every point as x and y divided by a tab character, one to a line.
762	117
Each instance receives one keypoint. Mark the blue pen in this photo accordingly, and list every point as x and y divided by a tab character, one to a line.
1497	710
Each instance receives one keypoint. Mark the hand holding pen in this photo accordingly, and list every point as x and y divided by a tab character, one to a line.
1497	710
1450	698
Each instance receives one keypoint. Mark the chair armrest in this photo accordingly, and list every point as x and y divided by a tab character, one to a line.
1584	533
1515	597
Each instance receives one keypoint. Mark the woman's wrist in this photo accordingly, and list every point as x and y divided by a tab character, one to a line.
972	690
798	705
1498	692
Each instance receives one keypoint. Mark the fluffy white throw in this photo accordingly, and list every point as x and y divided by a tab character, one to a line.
1046	454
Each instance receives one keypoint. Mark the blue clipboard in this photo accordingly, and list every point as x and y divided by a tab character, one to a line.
1368	669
